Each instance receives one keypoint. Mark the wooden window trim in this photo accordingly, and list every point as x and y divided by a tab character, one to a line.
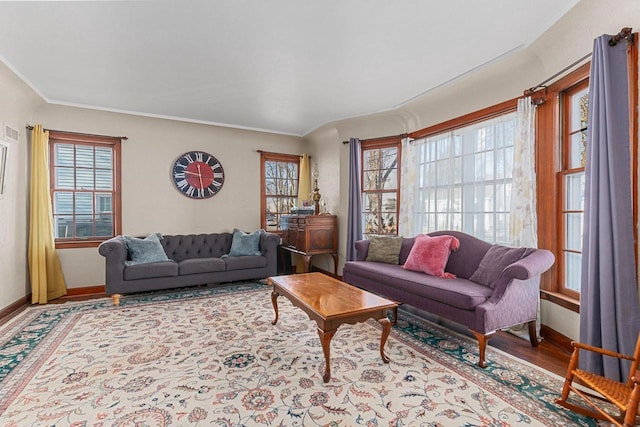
92	140
277	157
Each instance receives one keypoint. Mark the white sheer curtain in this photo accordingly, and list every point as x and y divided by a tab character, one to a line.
523	219
460	180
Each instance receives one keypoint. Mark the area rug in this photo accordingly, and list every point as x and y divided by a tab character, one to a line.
210	356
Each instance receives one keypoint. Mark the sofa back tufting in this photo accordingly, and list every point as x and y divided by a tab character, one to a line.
180	247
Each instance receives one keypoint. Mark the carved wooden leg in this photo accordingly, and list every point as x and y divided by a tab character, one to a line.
325	340
483	339
335	264
307	263
533	333
386	329
395	316
274	301
115	298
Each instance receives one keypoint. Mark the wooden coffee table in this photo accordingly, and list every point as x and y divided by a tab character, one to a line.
331	303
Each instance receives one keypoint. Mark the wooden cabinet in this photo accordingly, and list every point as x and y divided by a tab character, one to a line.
309	235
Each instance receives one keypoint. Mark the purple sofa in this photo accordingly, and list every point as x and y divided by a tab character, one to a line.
510	298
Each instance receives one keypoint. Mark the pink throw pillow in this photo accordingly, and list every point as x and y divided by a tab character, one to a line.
430	255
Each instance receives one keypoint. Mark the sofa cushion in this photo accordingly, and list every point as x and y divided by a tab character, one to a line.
143	251
245	244
384	249
430	254
242	262
495	261
150	270
457	292
200	265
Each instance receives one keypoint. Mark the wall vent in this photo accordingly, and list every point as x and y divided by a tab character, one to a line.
10	133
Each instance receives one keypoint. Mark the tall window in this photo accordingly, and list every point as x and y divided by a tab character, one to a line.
464	180
380	187
85	192
575	108
280	174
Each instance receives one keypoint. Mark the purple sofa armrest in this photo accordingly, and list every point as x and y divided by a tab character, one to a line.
533	265
362	250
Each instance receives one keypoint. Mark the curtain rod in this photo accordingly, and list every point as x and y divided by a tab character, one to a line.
624	34
270	152
29	127
402	135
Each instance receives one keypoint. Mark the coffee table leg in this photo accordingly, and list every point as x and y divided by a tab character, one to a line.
386	329
274	298
325	340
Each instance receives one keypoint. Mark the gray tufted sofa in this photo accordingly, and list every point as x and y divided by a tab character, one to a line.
193	260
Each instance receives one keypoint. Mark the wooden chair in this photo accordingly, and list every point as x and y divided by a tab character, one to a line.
624	396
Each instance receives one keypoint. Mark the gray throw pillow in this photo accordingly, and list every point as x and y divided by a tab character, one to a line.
494	262
244	244
144	251
384	249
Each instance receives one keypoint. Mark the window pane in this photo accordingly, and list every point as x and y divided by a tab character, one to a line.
371	160
371	202
573	233
578	150
84	179
104	179
84	203
389	202
104	226
63	155
573	272
63	178
574	198
104	158
579	110
63	203
84	226
84	156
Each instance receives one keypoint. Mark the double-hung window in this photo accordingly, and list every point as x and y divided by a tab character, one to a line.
279	189
380	186
85	188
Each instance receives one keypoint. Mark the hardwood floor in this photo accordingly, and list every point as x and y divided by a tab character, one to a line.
546	355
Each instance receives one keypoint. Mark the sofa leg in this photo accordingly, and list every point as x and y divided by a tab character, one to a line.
533	333
483	339
116	299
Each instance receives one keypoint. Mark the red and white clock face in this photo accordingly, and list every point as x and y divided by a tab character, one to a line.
198	175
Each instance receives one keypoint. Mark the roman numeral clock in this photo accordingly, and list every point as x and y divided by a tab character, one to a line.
198	175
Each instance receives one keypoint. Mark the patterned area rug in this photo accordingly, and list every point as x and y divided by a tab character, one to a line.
210	356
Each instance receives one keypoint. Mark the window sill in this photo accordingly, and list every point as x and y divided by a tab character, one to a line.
78	244
562	300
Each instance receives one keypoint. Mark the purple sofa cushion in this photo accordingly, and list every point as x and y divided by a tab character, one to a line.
460	293
200	265
495	261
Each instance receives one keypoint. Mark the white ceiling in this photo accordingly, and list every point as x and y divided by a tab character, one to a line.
284	66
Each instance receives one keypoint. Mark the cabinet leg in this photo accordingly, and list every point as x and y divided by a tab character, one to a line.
335	264
307	263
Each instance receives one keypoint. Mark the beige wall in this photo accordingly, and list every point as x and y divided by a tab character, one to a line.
17	101
567	41
150	202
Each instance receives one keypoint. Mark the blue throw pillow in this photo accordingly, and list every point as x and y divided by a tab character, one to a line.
144	251
244	244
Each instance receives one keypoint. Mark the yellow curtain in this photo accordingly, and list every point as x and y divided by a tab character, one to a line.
304	182
304	191
47	281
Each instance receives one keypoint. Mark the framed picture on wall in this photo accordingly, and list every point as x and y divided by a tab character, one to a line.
4	156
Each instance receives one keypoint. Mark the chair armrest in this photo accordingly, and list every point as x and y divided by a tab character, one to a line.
577	346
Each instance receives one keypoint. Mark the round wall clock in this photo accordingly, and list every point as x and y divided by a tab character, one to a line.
197	175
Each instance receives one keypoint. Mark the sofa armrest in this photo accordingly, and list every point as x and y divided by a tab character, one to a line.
525	268
269	248
362	250
115	252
